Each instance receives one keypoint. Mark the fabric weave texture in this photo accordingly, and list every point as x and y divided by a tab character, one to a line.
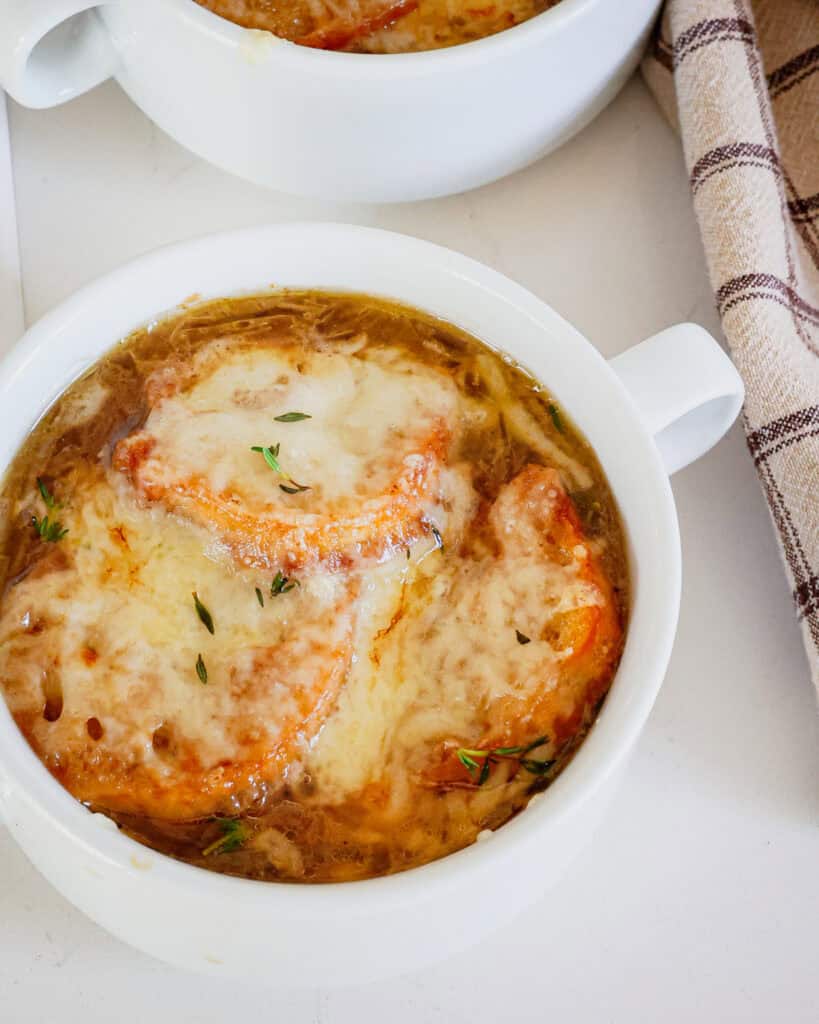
739	80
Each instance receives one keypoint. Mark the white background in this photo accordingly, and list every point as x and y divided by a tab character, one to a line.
699	899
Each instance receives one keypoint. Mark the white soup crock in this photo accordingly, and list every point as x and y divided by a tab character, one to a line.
647	413
368	127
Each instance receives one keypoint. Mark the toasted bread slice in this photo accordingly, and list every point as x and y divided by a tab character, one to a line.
351	482
130	700
544	590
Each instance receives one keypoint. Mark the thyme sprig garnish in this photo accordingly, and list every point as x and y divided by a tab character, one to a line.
480	761
203	613
270	454
557	419
234	835
201	670
50	531
281	584
292	417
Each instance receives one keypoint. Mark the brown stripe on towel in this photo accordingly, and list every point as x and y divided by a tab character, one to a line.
751	143
738	288
793	72
806	597
776	429
804	209
710	31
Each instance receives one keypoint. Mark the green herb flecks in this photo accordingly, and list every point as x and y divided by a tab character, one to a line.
49	499
203	613
201	671
557	419
234	835
260	597
281	584
535	767
50	531
522	637
466	759
293	488
292	417
478	762
270	454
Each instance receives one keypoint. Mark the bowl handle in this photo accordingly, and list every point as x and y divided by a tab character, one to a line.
52	50
686	390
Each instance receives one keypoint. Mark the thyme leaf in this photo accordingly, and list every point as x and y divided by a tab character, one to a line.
511	751
49	531
49	499
522	637
535	767
203	613
481	760
201	671
269	453
281	584
260	597
436	533
292	417
557	419
234	836
466	759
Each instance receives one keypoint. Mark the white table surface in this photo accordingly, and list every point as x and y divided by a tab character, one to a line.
699	899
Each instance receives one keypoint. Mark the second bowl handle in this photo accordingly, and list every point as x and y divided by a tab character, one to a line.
686	389
52	50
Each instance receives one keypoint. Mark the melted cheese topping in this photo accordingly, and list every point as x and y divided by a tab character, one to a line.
452	670
114	634
368	456
441	594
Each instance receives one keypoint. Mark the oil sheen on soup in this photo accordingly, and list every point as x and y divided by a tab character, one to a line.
308	587
379	26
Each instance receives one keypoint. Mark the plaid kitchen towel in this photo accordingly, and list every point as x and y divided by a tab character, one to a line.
739	79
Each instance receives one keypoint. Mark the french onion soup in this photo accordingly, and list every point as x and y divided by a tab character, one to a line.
308	587
379	26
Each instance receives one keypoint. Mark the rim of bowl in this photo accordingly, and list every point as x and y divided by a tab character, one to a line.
602	751
548	22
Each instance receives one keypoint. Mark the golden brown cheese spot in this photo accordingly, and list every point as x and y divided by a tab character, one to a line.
126	723
370	454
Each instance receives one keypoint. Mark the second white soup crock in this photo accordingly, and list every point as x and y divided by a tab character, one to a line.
369	127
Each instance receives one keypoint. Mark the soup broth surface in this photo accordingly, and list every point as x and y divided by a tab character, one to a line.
307	586
379	26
